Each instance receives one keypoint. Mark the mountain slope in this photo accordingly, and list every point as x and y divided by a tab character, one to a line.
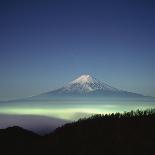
128	133
88	86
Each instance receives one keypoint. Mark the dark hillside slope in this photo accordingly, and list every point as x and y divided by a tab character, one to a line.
131	133
16	140
128	134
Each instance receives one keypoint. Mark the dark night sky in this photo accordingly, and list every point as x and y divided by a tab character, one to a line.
45	43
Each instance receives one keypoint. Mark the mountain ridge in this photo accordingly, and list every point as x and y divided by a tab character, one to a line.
87	86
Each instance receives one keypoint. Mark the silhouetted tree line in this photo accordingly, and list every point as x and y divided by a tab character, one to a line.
128	133
132	114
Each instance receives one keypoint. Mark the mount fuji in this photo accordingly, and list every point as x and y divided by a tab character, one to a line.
88	86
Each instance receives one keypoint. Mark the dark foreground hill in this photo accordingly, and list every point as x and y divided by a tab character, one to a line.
130	133
16	140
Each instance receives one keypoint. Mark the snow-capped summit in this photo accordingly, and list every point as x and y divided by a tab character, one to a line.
84	84
83	79
87	83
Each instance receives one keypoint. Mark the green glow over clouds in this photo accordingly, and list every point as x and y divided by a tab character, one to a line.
72	111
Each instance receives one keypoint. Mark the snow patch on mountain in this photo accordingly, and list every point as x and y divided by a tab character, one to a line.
83	79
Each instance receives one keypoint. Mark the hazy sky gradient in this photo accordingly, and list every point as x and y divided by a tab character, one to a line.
46	43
